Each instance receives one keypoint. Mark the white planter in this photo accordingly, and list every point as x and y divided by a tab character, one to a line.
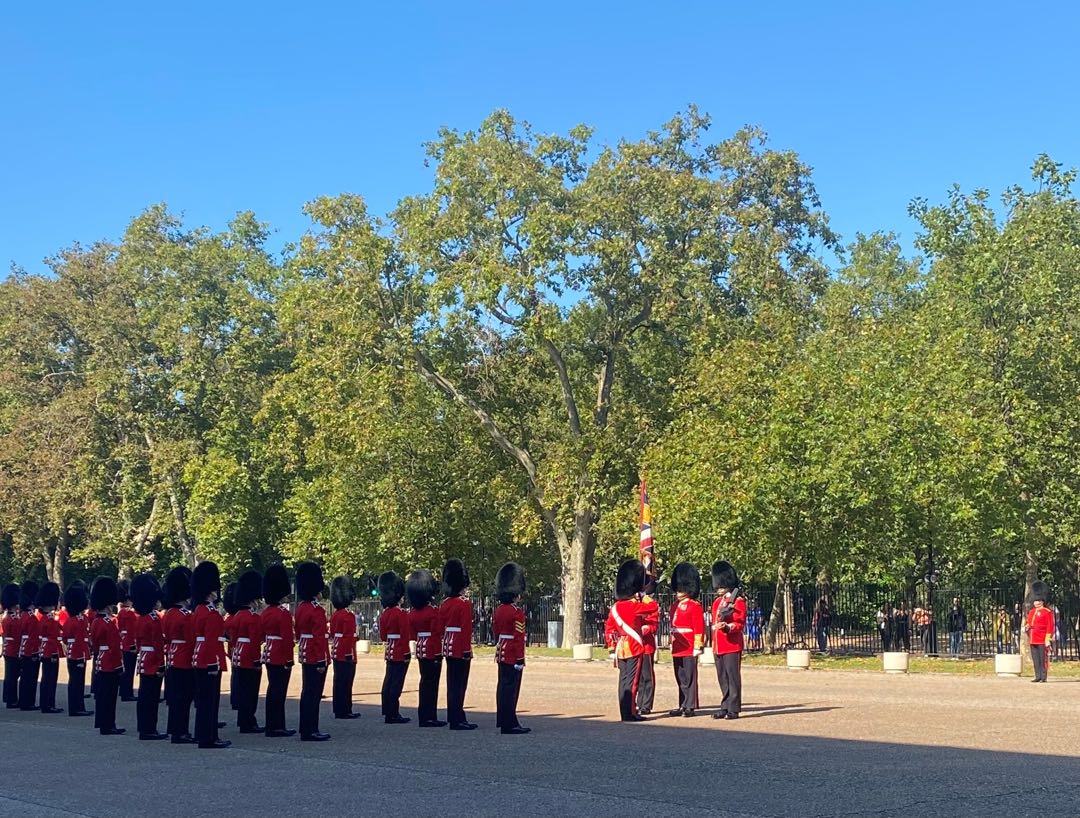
798	660
895	662
363	646
1008	664
707	657
583	653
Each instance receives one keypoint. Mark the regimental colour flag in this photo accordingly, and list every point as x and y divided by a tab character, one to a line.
647	557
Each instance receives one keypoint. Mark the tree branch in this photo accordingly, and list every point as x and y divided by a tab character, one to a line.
567	389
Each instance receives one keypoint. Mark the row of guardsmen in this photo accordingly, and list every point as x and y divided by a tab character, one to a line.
174	635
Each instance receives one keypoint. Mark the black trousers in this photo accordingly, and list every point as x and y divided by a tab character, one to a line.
430	673
181	694
729	675
629	674
344	674
50	670
886	641
207	701
277	687
105	690
393	682
457	682
28	682
646	689
506	696
1039	660
12	671
234	700
76	686
686	678
313	680
146	709
127	680
248	680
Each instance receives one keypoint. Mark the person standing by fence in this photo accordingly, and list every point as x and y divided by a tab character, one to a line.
729	620
957	626
1002	628
884	626
1039	626
822	618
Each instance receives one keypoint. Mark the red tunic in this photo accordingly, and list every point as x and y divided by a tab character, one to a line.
178	625
277	630
127	621
209	638
11	626
508	624
687	627
730	640
395	631
457	627
623	629
50	636
1040	622
62	616
650	622
77	638
105	642
247	639
427	630
311	646
150	641
343	636
30	637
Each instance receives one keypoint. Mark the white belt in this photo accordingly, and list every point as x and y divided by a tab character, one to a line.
200	638
423	633
683	630
177	641
506	636
146	649
242	640
222	639
393	636
271	638
307	636
453	630
103	648
338	635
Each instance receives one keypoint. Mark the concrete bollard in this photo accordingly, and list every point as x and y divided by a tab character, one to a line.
583	653
707	657
1008	664
363	646
895	662
798	660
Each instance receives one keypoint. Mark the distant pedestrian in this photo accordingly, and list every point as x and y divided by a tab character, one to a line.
885	627
1002	628
754	624
902	628
957	626
924	619
1015	623
821	619
1039	625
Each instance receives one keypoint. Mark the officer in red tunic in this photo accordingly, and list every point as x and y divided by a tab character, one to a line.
150	664
208	659
105	643
277	655
508	625
76	635
687	635
11	624
426	628
395	633
457	622
126	622
312	648
1039	626
623	632
650	623
728	623
29	647
48	599
343	646
228	602
178	626
247	650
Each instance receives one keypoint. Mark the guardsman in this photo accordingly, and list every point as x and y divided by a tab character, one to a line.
228	602
457	620
29	647
277	654
728	622
150	645
105	643
178	627
394	632
312	649
687	635
208	659
12	629
247	650
76	635
126	622
650	623
1039	626
48	599
508	625
426	629
623	632
343	646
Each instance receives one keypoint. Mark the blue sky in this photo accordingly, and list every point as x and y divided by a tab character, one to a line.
107	108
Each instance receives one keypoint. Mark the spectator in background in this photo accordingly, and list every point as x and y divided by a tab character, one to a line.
821	621
957	626
1002	629
885	627
1014	623
753	627
902	628
924	622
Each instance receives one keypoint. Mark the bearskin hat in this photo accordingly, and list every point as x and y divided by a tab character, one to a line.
123	590
420	588
145	593
309	581
724	576
103	593
455	576
276	584
342	592
686	579
249	587
75	599
205	580
48	596
1039	591
630	579
228	599
509	582
177	586
27	594
9	597
391	589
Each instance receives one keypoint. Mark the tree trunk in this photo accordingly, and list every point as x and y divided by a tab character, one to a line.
187	543
55	555
776	615
576	563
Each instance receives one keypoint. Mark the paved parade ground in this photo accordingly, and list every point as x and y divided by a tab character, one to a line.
812	743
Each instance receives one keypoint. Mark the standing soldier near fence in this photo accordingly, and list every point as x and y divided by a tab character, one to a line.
48	599
11	625
650	623
457	642
395	633
29	648
1039	626
208	659
105	643
729	619
508	623
427	631
622	632
177	626
343	646
150	664
126	622
277	655
76	635
247	650
687	635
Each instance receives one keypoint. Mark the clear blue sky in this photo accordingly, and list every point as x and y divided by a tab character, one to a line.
106	108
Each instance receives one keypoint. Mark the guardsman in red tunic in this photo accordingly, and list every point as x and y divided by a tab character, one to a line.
12	629
650	623
208	659
508	626
687	635
312	648
228	602
623	632
76	635
457	620
425	624
105	643
51	646
1039	626
395	633
126	622
247	650
29	648
728	623
150	645
277	655
343	646
178	626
